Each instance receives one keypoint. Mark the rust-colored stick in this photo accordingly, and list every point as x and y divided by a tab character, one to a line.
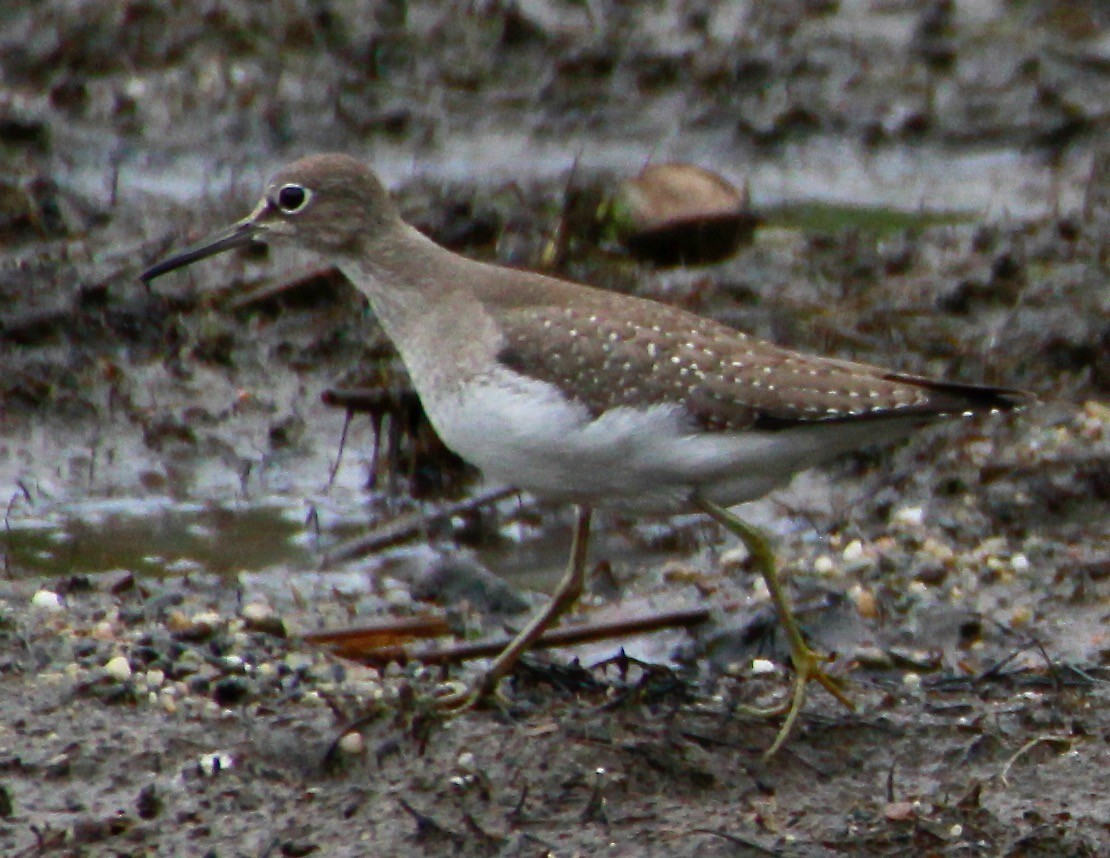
455	653
380	635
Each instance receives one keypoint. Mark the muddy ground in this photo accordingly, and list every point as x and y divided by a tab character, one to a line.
930	179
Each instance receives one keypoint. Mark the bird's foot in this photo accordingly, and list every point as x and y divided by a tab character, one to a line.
808	667
455	697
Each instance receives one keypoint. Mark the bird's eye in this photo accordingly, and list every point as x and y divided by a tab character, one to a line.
292	198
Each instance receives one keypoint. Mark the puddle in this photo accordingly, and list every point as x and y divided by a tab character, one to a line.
281	536
155	538
284	540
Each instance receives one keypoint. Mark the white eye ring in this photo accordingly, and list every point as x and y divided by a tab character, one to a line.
292	198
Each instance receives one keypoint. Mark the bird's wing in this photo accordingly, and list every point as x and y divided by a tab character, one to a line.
724	379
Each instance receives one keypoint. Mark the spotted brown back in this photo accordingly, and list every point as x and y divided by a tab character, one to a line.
726	380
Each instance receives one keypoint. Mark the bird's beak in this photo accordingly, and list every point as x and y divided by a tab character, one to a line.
250	229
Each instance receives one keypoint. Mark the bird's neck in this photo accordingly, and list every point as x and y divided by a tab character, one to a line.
421	295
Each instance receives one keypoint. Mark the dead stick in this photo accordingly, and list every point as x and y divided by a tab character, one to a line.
369	636
558	637
407	527
266	291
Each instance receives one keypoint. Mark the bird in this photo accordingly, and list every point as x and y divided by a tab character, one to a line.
590	397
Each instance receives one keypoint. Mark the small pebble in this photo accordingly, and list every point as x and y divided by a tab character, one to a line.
762	666
209	619
1019	563
909	516
103	631
734	558
1021	616
853	552
899	811
176	621
352	743
677	572
47	600
938	550
119	668
866	604
824	565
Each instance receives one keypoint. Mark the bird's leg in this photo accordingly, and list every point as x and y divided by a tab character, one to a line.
807	663
566	594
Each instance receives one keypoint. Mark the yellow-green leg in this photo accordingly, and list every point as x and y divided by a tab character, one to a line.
566	594
807	663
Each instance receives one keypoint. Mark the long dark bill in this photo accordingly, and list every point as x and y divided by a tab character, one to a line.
238	235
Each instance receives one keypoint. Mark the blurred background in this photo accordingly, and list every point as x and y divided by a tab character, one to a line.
923	184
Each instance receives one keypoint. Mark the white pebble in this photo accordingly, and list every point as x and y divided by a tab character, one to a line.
207	619
351	743
47	600
1019	563
762	666
853	551
255	612
824	565
119	668
734	558
910	516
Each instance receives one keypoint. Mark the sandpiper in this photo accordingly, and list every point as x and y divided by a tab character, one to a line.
592	397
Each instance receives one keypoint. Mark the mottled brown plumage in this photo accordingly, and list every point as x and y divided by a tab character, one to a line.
727	380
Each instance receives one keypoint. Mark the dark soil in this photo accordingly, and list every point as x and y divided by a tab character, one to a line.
148	708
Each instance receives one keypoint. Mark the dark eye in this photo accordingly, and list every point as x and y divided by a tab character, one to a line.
292	198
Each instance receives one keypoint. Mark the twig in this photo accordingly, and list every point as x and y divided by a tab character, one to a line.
558	637
408	527
310	277
342	445
1026	748
357	640
736	840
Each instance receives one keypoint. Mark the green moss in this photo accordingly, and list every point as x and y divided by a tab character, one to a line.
834	217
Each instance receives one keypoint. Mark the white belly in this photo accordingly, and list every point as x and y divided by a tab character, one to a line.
522	432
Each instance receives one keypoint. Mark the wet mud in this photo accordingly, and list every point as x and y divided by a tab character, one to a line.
181	486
